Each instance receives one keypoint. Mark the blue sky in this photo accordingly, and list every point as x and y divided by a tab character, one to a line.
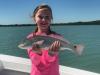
20	11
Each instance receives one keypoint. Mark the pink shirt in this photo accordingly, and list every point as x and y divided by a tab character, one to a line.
43	64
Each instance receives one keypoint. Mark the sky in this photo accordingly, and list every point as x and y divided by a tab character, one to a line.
64	11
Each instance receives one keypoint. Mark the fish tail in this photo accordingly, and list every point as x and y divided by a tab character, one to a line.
79	49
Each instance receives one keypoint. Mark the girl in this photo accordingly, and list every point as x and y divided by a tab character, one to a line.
44	62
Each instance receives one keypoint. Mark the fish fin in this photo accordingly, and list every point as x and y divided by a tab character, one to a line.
39	42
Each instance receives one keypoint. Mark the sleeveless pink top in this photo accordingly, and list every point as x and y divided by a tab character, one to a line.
43	64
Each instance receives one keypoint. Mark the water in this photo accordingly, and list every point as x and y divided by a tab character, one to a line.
85	34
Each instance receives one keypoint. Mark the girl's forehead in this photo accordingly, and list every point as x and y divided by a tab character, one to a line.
44	11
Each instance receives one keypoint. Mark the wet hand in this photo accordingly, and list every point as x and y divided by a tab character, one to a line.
54	47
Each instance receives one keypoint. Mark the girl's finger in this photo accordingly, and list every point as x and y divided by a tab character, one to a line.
34	34
35	47
55	46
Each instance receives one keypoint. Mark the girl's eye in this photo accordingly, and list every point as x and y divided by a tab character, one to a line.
44	17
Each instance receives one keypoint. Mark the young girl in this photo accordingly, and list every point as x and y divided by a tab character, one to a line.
44	62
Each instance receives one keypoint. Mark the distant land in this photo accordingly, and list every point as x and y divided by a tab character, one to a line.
97	22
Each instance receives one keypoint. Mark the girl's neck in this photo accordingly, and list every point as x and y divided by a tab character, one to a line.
42	32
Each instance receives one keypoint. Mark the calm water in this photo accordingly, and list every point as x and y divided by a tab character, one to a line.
85	34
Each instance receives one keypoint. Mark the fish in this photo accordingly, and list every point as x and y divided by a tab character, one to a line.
45	42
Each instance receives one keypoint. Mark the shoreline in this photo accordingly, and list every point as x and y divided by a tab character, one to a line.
97	22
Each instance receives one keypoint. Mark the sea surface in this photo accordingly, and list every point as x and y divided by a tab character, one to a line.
88	35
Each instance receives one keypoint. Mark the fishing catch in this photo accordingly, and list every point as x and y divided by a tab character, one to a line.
45	42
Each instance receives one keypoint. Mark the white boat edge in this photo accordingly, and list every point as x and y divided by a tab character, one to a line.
23	65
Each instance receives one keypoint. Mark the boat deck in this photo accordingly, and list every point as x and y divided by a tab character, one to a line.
11	65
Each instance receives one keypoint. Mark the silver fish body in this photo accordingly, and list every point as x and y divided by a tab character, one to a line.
46	41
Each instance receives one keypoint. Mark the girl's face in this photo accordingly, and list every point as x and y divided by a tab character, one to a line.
43	19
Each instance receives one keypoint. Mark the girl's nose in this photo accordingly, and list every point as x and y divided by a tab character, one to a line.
43	19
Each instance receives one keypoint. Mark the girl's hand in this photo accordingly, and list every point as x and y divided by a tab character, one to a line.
36	49
54	47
